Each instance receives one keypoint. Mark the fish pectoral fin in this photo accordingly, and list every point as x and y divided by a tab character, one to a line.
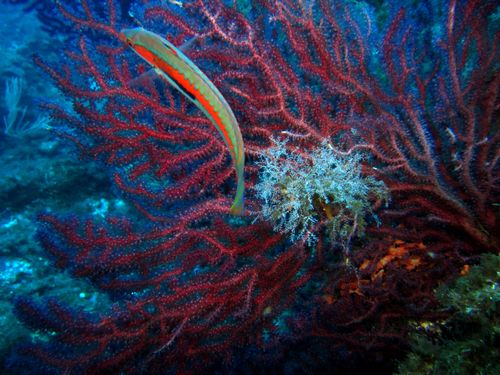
148	75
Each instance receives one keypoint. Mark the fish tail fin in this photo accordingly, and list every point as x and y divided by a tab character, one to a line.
237	207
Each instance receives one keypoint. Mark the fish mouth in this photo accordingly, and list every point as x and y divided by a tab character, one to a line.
123	37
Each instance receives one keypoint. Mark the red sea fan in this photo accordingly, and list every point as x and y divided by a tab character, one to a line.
192	284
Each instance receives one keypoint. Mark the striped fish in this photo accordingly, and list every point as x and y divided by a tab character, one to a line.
173	66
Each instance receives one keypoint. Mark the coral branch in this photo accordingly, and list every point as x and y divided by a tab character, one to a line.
190	285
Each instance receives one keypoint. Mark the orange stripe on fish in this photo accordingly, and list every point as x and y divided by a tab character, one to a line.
173	66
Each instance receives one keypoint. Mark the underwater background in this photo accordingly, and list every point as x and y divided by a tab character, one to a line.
369	239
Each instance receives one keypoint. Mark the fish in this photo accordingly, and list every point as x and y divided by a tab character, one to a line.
178	70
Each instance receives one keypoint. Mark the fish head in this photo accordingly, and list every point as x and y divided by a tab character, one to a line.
130	36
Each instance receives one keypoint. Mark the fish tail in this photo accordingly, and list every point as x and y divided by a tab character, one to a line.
237	207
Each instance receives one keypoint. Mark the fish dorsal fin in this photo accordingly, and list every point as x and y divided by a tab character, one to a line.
188	43
186	46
